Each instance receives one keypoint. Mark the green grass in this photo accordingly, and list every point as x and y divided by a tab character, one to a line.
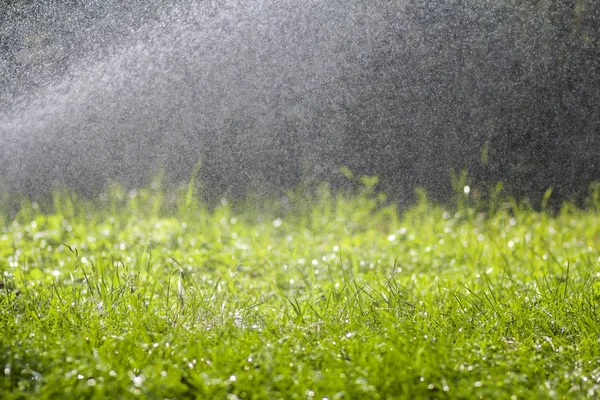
155	296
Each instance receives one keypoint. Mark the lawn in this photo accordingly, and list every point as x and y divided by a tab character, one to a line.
151	294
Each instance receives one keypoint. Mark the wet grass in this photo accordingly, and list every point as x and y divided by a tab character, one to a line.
337	297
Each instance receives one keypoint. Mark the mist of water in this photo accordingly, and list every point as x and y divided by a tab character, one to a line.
263	92
165	93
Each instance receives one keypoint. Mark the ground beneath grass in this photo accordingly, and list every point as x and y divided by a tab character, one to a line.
336	297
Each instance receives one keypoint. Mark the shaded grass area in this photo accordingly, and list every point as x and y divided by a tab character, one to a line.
338	296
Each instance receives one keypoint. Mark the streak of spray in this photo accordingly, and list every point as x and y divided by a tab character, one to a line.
233	83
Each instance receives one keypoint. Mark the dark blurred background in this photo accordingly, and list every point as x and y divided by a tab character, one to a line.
268	94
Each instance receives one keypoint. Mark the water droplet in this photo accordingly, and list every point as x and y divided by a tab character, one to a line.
138	380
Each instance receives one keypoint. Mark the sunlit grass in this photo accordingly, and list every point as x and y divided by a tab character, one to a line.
152	294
